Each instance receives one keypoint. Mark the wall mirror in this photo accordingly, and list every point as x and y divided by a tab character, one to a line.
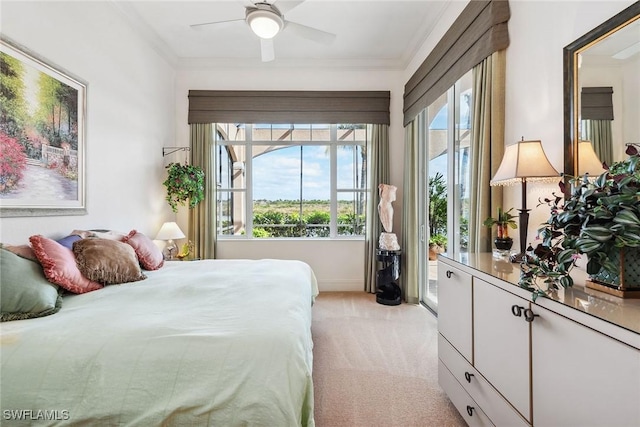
602	93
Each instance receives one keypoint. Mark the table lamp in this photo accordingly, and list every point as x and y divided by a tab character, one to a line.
524	161
170	231
588	161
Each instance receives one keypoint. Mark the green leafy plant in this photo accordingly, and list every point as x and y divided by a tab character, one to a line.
438	240
597	218
185	183
504	220
437	204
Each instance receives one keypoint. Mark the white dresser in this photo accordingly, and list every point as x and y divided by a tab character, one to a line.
570	360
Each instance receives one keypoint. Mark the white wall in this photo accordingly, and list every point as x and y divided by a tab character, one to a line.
338	265
130	113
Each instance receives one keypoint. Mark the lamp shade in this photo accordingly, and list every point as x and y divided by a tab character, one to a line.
264	23
524	161
588	161
170	231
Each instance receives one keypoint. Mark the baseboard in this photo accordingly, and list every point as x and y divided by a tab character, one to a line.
340	285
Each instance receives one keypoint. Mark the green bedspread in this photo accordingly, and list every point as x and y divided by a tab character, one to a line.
214	342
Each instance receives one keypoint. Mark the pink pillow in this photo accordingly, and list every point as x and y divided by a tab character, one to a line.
59	265
149	255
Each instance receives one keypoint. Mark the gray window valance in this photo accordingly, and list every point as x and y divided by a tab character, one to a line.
596	103
479	31
289	107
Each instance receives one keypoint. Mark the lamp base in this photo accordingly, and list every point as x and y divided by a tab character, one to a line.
170	250
516	258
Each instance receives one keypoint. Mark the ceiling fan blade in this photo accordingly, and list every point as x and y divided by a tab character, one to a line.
310	33
216	23
285	6
267	50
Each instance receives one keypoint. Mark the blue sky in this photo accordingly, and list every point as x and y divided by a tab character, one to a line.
285	183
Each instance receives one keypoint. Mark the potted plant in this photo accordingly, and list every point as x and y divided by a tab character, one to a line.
504	220
437	245
184	183
598	218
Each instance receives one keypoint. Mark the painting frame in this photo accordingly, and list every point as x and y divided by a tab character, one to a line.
65	160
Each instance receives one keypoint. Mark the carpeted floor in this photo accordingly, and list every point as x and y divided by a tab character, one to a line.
376	365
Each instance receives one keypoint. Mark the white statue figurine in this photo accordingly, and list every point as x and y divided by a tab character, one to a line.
388	240
385	209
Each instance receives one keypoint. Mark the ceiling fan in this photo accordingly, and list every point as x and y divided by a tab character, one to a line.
266	21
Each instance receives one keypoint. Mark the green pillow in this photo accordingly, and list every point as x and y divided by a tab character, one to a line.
24	291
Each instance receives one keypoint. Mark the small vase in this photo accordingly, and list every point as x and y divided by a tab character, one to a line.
626	282
503	244
502	248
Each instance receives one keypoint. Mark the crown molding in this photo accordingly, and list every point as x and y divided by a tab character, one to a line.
356	64
147	33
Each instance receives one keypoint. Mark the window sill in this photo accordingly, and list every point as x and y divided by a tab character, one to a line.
292	239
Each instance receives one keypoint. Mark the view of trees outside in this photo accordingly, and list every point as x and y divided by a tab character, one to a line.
37	112
291	180
281	218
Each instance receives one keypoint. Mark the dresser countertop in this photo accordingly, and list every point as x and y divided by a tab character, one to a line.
621	312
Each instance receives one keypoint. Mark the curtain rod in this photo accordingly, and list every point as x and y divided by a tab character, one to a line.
170	150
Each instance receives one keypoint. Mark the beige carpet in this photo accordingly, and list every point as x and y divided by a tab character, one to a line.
376	365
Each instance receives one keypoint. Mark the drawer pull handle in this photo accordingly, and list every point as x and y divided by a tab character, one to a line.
516	310
467	376
449	274
529	316
470	410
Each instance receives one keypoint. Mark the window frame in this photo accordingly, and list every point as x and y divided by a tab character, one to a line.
333	144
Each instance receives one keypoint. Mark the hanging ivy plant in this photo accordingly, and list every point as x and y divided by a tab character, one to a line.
184	183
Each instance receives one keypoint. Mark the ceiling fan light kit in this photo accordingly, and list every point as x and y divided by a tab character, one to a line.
264	23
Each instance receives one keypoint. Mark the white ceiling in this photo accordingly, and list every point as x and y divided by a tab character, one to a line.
371	33
618	47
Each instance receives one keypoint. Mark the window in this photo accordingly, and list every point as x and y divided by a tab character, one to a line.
296	181
446	155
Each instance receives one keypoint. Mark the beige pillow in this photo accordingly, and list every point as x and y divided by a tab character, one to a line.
23	251
107	261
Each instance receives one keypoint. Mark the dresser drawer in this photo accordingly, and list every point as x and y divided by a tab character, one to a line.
470	411
492	403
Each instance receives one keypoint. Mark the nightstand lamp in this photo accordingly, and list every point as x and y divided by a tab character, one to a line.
524	161
170	231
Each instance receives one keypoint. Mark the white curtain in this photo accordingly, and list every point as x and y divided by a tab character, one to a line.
410	226
599	132
378	173
487	147
203	218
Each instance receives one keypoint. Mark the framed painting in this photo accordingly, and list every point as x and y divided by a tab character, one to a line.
42	136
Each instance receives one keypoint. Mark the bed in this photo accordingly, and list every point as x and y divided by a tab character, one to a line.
210	342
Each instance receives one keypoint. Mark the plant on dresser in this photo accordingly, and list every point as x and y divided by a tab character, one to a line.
600	218
503	221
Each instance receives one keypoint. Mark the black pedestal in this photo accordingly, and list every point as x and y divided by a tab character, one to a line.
388	291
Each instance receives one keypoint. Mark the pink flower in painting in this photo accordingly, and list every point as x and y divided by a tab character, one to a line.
12	162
